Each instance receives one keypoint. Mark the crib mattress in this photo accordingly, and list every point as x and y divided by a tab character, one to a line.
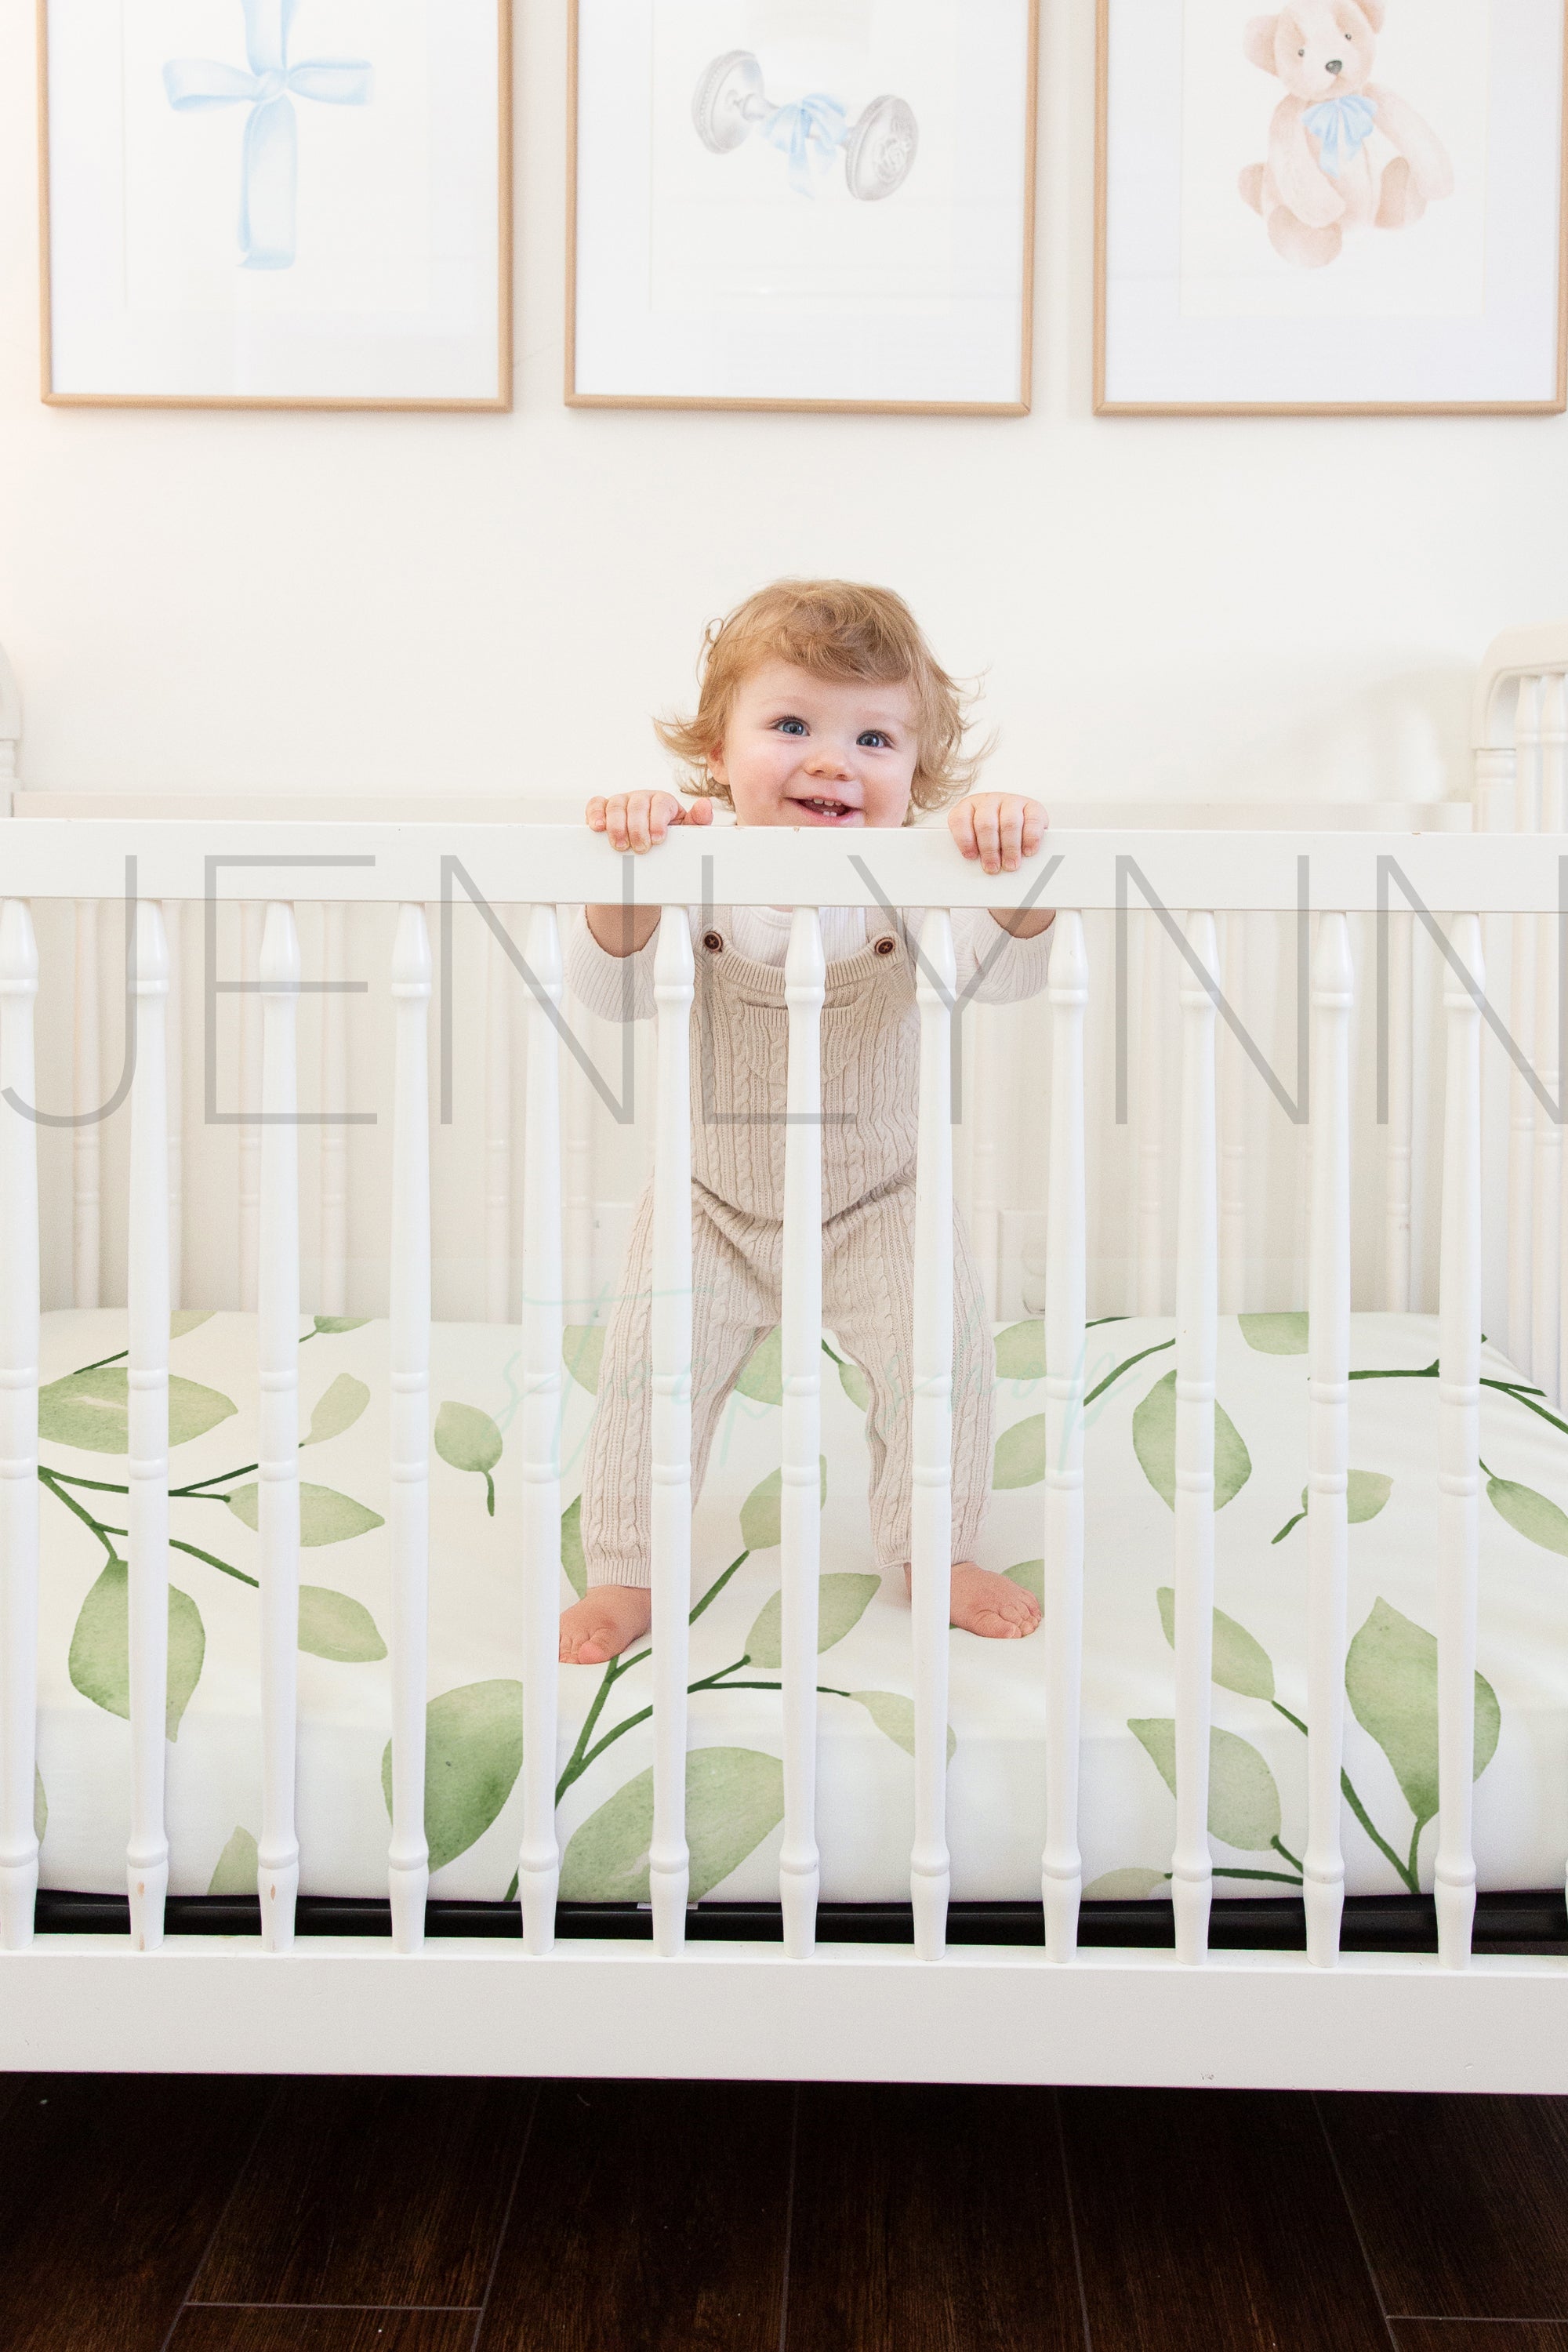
995	1814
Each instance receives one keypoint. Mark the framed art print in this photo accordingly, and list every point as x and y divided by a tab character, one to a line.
275	204
1340	206
801	204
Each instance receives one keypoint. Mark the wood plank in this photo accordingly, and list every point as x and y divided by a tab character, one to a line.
373	2192
1462	2202
1212	2221
1479	2336
651	2217
109	2188
284	2327
930	2220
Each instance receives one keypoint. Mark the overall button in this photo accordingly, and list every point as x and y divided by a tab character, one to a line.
713	941
885	947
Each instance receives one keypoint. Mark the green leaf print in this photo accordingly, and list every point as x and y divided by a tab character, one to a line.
1127	1886
101	1648
1531	1515
333	1323
468	1439
841	1601
855	1384
1366	1492
1243	1803
188	1319
1021	1351
1391	1680
894	1714
234	1872
760	1512
337	1409
1154	1444
762	1374
1029	1576
40	1806
473	1754
734	1799
572	1556
582	1352
1020	1457
1275	1335
334	1625
325	1516
1240	1664
90	1409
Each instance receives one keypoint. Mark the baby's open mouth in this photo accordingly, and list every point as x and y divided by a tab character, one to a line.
830	809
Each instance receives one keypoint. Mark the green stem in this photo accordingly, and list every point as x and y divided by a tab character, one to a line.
194	1491
510	1895
86	1517
1279	1878
1287	1527
574	1761
1347	1789
1157	1348
490	1494
1289	1717
213	1561
1294	1860
98	1486
1412	1874
98	1367
715	1588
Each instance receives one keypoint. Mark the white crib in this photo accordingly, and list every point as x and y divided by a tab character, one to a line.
1047	1201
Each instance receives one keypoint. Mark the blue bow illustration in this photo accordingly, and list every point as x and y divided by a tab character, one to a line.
811	132
270	158
1341	126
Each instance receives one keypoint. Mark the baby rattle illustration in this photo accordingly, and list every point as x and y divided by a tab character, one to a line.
879	150
1322	175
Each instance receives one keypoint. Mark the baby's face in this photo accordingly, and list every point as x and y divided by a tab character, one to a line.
807	751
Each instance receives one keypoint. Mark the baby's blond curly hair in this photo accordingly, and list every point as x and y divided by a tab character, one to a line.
838	629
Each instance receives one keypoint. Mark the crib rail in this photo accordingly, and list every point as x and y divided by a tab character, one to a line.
1451	882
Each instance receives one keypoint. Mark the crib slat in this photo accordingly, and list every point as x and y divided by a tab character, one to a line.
670	1520
498	1126
1067	1261
408	1859
1197	1271
806	974
1521	1022
333	1162
1150	1292
173	927
1328	1433
278	1467
18	1430
1547	1233
931	1499
87	1094
1232	1126
577	1167
1398	1166
539	1865
147	1465
249	1132
987	1112
1458	1452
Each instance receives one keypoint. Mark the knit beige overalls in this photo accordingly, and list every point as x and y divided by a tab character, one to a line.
870	1075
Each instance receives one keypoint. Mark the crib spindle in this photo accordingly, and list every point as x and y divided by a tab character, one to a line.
931	1474
408	1858
806	974
1061	1874
1546	1239
1459	1451
498	1126
1398	1166
19	1432
1328	1435
278	1465
577	1170
539	1860
87	1095
333	1166
987	1111
1232	1126
147	1465
1149	1298
249	1132
1521	1023
174	1079
1197	1274
669	1869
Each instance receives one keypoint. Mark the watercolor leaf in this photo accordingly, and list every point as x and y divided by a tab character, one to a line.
841	1601
236	1867
1021	1351
340	1322
473	1754
583	1353
101	1648
1391	1680
337	1408
1127	1886
40	1806
1240	1664
1531	1515
325	1516
90	1410
762	1512
188	1319
334	1625
1154	1444
855	1384
1244	1802
1275	1335
894	1714
572	1555
1029	1576
1020	1458
734	1799
762	1374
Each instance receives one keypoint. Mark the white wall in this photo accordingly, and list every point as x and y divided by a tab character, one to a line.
257	600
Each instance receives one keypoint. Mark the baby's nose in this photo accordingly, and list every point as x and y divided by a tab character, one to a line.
1334	65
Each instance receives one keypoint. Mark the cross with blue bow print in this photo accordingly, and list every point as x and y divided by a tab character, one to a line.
269	177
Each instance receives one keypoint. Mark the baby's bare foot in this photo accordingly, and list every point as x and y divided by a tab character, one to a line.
990	1605
608	1619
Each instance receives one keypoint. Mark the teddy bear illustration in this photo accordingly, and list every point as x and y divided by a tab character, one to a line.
1322	175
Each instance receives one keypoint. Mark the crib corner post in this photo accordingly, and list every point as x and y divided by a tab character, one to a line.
930	1511
669	1865
278	1463
147	1463
408	1857
18	1433
538	1858
1061	1865
1458	1445
1197	1314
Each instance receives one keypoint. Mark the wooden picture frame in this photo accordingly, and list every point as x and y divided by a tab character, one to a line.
484	372
1013	400
1124	388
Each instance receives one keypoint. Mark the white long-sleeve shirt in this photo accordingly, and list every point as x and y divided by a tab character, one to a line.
621	987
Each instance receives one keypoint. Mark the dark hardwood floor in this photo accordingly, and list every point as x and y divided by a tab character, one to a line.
158	2213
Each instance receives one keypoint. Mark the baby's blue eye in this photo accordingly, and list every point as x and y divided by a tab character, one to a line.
792	726
874	735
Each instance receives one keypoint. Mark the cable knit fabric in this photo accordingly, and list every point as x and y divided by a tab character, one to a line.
870	1073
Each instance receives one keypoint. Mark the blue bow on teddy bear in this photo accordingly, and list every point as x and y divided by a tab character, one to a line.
1341	126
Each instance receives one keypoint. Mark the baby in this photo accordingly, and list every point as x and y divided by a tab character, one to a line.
821	705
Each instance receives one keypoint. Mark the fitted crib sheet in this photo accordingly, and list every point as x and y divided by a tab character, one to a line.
995	1814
